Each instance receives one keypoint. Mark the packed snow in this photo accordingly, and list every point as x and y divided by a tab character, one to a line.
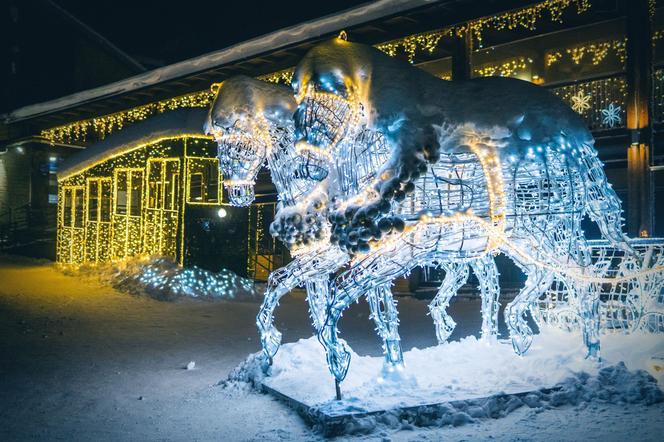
467	369
162	279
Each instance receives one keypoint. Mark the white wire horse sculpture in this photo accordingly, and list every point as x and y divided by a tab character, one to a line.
474	167
631	292
250	121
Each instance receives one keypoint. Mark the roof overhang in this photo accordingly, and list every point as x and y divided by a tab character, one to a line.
175	124
249	49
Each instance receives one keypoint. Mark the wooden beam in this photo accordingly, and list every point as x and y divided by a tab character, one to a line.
461	51
640	198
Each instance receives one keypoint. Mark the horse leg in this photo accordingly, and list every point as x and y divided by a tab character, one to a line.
537	281
386	317
590	319
487	274
280	282
318	290
456	275
283	280
373	270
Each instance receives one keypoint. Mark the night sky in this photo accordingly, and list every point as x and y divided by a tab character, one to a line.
159	32
46	55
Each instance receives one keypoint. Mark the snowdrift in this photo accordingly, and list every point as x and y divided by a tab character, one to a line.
161	278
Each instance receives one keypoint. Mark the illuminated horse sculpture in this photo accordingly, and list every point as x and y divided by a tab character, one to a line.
250	120
475	167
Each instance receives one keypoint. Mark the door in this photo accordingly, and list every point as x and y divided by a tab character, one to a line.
126	217
161	212
98	220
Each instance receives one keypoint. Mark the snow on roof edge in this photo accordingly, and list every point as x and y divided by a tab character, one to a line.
272	41
172	124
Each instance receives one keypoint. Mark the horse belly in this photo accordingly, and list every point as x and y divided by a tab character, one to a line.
455	184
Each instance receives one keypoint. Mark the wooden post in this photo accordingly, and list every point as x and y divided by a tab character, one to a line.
640	198
461	56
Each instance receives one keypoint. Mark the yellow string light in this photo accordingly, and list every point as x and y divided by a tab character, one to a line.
411	45
656	36
597	50
105	125
284	76
508	68
525	18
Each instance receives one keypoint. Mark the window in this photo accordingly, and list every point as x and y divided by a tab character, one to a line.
196	187
121	193
128	192
93	200
73	207
203	186
164	184
136	193
99	199
105	209
78	207
171	188
66	216
154	183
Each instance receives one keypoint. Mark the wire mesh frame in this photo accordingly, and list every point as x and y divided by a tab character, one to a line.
627	305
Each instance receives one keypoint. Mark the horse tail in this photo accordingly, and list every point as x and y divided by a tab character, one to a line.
603	204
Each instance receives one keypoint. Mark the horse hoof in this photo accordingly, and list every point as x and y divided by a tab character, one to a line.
271	342
339	363
266	366
521	344
593	352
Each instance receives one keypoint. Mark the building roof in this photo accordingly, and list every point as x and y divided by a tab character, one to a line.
248	49
372	23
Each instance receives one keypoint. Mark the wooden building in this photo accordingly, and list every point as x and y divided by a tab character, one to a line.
152	189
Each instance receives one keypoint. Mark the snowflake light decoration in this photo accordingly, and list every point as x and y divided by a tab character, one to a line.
611	115
580	102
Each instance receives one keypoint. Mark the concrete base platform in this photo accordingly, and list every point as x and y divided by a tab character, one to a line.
448	384
334	418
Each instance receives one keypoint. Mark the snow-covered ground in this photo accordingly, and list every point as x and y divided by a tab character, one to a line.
81	361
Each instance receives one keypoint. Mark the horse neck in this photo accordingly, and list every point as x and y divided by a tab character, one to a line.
360	161
281	160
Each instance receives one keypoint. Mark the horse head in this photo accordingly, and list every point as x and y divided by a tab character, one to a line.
248	117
